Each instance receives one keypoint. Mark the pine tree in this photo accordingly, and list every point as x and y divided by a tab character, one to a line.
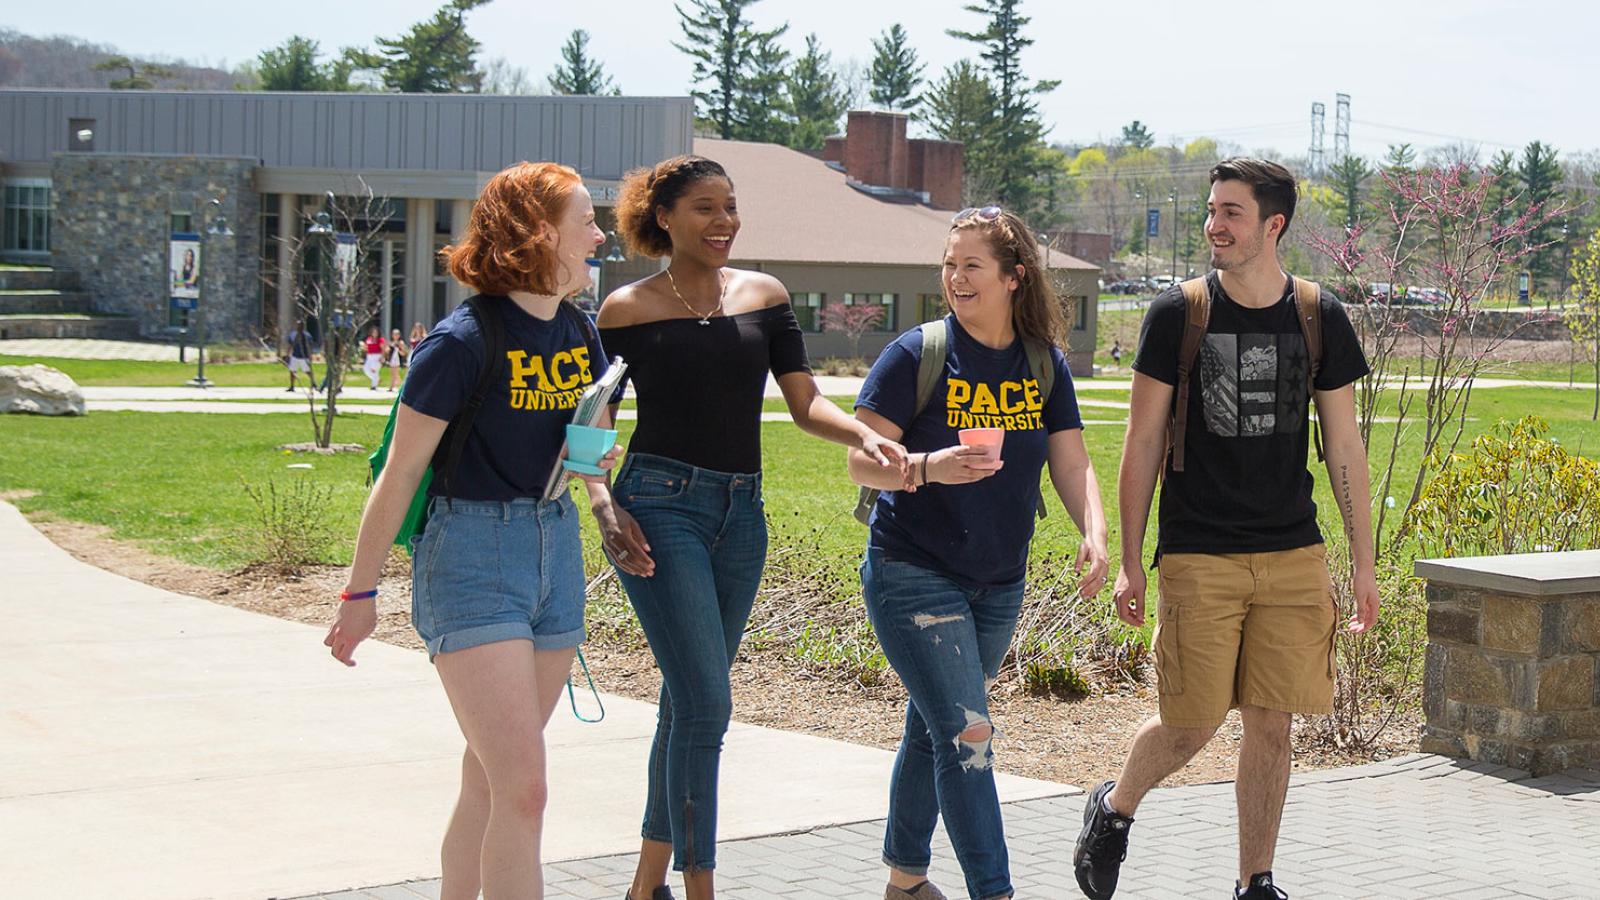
1348	175
1013	155
896	71
578	72
433	57
1540	177
723	44
762	110
293	66
1503	169
1136	136
816	98
139	77
960	106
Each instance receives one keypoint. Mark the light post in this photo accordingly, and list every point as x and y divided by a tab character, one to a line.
1566	263
322	228
216	227
1144	237
615	256
1173	196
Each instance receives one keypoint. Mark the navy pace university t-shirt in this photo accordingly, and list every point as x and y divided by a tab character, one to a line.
1245	487
976	534
517	436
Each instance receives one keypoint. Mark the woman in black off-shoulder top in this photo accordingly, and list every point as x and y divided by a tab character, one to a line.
683	524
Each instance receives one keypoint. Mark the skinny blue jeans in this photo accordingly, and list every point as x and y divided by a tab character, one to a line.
708	536
946	642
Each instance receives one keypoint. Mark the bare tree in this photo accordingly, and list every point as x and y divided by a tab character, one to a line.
1441	227
343	292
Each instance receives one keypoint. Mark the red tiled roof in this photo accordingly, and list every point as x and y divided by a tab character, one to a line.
795	208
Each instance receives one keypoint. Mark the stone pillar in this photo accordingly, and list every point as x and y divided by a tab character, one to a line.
419	261
1513	648
288	229
460	212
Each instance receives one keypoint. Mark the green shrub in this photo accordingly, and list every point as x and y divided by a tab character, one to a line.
1515	492
294	530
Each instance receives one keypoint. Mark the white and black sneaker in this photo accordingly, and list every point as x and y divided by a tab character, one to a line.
1102	846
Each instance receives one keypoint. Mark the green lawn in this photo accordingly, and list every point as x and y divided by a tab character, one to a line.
138	373
174	480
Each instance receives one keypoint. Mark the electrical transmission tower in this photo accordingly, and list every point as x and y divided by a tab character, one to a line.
1341	128
1319	113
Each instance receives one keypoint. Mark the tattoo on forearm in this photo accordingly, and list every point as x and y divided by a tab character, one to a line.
1348	504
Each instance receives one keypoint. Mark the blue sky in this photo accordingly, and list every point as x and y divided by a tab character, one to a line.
1494	74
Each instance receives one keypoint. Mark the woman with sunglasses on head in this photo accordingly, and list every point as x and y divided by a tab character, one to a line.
497	583
683	523
947	553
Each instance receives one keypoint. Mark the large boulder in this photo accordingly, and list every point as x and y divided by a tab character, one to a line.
40	390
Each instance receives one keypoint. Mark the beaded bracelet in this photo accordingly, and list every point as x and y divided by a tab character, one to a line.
362	595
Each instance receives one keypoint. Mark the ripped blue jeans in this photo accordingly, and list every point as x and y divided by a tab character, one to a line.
946	643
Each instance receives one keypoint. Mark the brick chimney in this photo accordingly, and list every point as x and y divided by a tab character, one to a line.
937	170
876	154
875	148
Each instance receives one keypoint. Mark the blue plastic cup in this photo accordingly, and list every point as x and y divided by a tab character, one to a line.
586	446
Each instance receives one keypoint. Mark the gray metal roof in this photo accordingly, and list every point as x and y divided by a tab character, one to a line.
369	133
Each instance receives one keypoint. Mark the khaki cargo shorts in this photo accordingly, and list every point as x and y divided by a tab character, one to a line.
1253	629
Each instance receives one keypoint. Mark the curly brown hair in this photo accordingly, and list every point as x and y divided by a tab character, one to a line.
1036	312
646	190
505	247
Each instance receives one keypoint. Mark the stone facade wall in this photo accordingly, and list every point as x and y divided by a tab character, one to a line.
1512	679
112	224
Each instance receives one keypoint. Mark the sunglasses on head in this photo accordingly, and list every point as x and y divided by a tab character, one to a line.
981	213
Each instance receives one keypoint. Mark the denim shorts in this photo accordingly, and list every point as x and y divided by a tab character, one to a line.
487	571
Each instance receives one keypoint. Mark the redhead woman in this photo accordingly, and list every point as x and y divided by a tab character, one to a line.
497	578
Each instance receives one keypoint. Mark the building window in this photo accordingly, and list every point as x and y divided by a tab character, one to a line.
268	226
930	307
25	221
1078	311
808	311
888	321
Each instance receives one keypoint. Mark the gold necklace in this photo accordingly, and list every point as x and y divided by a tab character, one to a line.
722	295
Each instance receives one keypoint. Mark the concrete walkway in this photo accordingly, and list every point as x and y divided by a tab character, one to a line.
154	745
1415	828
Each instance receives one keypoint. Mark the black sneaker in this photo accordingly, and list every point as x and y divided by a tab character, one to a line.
1261	888
663	892
1102	846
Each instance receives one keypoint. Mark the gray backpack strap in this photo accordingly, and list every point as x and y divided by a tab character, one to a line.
1044	371
930	366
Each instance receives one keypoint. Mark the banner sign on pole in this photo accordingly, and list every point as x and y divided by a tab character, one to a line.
344	263
1152	222
183	266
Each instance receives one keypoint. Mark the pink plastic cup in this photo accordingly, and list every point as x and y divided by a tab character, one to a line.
990	439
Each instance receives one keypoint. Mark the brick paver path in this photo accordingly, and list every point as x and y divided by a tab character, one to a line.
1412	828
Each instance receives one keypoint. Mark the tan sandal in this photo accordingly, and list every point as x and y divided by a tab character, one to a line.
924	891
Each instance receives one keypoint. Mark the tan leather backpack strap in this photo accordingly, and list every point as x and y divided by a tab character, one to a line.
1197	316
1308	309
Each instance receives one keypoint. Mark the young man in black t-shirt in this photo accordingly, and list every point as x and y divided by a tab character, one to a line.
1247	616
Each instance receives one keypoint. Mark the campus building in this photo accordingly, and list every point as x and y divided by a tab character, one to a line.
98	182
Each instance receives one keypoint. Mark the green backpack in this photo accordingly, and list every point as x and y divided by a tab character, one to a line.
455	436
935	348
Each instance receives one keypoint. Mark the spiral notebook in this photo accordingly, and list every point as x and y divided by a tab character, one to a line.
590	411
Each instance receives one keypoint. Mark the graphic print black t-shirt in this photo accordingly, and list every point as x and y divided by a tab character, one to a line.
517	435
1246	487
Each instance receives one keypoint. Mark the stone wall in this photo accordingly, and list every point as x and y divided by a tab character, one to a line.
112	224
1488	324
1512	679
